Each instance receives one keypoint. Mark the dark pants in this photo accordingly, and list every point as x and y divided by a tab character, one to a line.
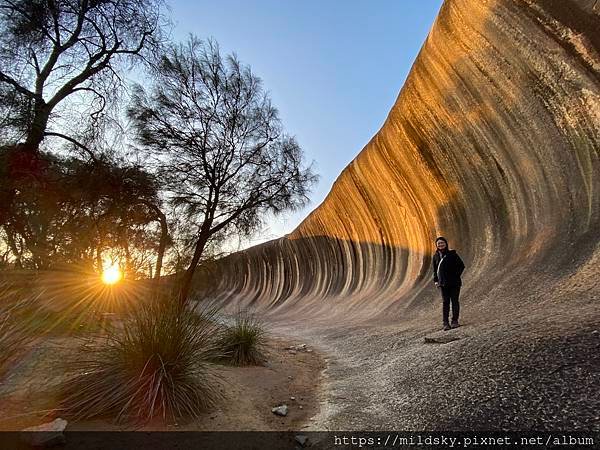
450	295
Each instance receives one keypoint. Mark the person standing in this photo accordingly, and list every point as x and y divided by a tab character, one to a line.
447	269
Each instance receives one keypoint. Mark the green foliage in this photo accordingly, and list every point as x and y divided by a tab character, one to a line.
242	343
158	363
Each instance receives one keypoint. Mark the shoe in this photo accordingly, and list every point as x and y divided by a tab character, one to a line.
446	326
454	324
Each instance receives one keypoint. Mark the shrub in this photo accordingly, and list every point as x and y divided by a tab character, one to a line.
242	343
157	363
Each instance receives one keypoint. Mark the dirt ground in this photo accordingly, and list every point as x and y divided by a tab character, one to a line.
291	377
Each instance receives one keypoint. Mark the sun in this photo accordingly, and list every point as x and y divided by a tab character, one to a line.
112	274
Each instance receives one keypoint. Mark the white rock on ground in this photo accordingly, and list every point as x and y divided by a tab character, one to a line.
280	410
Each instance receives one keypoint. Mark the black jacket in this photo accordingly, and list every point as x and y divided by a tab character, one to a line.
450	270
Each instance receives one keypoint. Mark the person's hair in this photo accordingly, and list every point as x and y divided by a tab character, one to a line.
441	238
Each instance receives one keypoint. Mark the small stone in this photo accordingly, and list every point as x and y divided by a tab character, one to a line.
595	332
300	406
292	352
292	398
301	439
440	339
280	410
290	377
300	347
46	435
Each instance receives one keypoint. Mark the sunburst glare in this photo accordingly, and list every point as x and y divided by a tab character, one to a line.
112	274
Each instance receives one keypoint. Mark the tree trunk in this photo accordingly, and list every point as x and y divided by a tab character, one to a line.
35	135
186	282
127	268
99	264
13	247
164	235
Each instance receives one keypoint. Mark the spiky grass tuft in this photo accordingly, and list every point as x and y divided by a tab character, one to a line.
158	364
15	330
243	342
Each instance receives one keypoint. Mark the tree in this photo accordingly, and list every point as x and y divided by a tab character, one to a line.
74	210
53	50
218	144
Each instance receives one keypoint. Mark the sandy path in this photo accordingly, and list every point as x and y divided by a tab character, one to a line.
28	391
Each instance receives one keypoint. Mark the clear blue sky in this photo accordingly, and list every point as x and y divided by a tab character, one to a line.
333	68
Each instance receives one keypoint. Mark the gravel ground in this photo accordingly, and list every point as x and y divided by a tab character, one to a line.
495	376
534	365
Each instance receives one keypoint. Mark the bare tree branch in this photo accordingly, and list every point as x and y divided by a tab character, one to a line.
50	50
219	144
75	142
14	83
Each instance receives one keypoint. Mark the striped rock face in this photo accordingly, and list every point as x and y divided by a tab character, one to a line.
493	142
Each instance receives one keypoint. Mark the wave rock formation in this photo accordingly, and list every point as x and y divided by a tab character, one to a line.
493	142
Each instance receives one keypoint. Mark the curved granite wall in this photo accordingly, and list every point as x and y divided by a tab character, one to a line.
492	142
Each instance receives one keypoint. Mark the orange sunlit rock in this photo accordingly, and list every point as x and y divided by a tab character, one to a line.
492	142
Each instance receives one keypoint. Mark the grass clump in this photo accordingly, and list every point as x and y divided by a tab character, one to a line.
15	331
242	343
159	363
